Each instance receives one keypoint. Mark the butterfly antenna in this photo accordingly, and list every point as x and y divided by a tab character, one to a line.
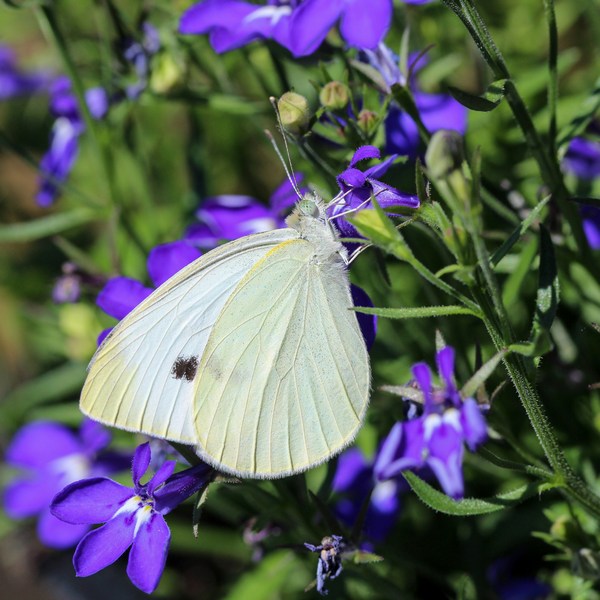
289	171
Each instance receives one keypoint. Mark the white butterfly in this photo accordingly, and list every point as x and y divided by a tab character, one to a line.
251	353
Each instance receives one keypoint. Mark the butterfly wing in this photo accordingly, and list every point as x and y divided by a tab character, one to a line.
140	379
284	380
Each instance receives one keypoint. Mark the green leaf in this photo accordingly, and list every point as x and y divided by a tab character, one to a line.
548	291
416	312
45	226
482	374
469	506
485	103
512	239
57	384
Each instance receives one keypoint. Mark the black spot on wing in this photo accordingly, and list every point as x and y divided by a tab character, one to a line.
185	367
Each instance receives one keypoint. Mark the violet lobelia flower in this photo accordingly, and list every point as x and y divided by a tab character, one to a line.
132	517
437	437
51	456
358	187
354	480
301	26
121	295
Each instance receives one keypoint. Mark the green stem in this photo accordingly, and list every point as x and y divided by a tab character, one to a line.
552	62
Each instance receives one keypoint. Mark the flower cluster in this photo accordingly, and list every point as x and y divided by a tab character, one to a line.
435	438
131	517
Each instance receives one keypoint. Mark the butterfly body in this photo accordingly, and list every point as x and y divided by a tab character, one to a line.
251	354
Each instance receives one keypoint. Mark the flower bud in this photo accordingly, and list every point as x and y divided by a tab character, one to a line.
166	74
367	121
444	154
294	112
334	95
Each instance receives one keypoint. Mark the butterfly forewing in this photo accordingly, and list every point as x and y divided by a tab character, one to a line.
141	378
284	380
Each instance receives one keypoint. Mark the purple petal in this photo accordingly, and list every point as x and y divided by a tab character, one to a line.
103	546
351	466
367	323
311	23
63	102
141	462
591	225
383	510
583	158
94	436
403	449
166	260
149	552
381	169
37	444
422	374
121	295
90	501
202	235
28	497
204	16
351	177
365	23
97	101
57	163
164	472
55	533
181	486
103	335
441	111
473	424
445	458
365	153
401	133
445	365
232	216
388	196
284	197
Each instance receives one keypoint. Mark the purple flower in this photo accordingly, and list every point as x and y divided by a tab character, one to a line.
353	482
299	25
591	225
357	187
121	295
230	216
138	54
437	437
131	517
57	164
14	82
583	158
52	456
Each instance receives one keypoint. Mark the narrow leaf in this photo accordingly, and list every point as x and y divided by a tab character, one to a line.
512	239
548	286
469	506
487	102
482	374
416	312
45	226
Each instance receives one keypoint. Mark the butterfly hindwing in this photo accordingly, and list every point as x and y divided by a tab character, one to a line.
141	378
284	380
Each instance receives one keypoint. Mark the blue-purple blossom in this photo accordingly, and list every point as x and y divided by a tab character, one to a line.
437	111
230	216
14	82
121	295
353	482
132	517
358	187
301	26
51	456
138	54
56	165
329	565
583	160
437	437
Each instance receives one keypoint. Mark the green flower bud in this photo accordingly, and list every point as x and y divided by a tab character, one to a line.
294	112
334	95
444	154
367	121
166	73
